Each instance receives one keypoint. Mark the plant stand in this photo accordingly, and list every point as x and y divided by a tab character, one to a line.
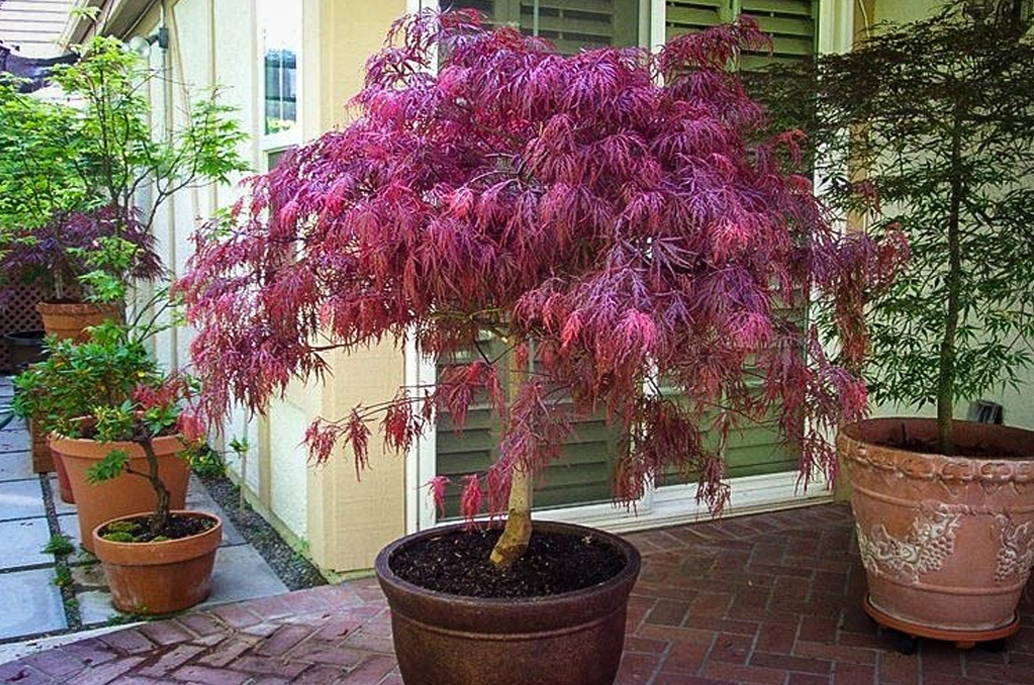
963	639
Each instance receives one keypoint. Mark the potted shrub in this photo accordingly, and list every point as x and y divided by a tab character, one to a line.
160	561
93	379
608	232
68	217
942	137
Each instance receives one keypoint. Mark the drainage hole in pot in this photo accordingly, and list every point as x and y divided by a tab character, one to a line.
137	529
457	563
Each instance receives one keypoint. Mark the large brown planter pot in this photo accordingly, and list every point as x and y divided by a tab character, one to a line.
70	319
947	542
159	577
574	637
125	494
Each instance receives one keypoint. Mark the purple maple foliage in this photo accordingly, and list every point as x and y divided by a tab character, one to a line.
618	230
53	257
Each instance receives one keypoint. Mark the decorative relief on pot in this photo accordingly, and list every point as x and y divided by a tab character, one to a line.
929	542
1016	554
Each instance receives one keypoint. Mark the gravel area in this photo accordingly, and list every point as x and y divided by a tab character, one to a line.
294	570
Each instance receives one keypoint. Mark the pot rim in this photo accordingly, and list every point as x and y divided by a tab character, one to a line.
27	337
56	306
95	533
852	431
54	438
628	573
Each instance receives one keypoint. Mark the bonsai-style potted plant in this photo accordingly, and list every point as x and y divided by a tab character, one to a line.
608	232
69	222
160	561
941	126
81	383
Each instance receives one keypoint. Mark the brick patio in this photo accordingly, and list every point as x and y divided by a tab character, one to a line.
772	598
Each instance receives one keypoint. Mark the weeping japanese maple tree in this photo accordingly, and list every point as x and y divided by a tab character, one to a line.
612	217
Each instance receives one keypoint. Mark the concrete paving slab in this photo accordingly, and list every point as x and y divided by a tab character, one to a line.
69	524
59	506
16	466
21	499
199	500
14	440
23	543
241	573
32	604
95	607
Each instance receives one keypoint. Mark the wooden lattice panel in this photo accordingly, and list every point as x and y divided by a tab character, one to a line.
17	313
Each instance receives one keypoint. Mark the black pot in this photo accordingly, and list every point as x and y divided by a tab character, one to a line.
574	637
26	348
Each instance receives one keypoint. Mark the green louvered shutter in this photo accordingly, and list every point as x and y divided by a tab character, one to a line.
581	474
790	23
570	24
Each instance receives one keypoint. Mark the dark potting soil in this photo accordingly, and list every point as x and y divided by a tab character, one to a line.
177	527
975	451
457	563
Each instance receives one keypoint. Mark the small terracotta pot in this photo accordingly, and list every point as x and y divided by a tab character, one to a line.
574	637
159	577
127	493
947	542
70	319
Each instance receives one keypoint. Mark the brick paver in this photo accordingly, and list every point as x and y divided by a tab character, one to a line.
772	598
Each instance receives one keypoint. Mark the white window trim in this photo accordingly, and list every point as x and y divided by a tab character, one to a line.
667	505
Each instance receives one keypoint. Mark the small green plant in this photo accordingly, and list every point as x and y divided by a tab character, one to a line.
62	577
206	462
72	605
59	544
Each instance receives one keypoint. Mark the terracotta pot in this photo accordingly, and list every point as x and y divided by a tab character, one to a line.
64	486
70	319
574	637
159	577
947	542
125	494
42	460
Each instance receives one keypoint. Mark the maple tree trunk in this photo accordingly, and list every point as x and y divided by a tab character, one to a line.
947	356
160	516
514	541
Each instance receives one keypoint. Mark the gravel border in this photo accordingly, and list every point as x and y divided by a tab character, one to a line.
296	571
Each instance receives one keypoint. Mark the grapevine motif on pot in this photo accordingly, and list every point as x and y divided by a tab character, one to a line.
929	542
1016	554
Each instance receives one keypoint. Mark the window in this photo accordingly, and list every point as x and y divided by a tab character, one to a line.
279	39
570	24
